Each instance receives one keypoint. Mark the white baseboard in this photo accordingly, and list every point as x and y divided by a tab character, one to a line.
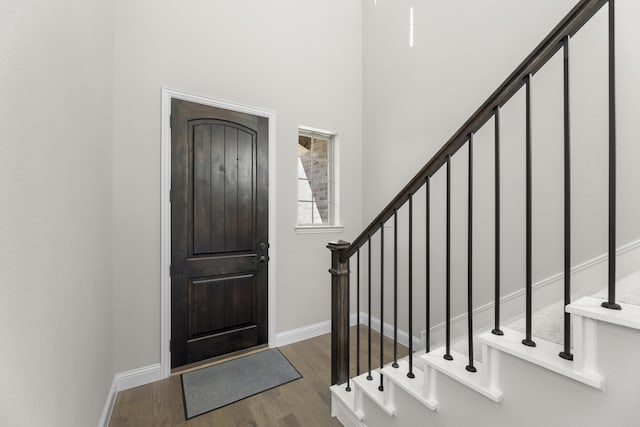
303	333
108	406
403	336
127	380
137	377
306	332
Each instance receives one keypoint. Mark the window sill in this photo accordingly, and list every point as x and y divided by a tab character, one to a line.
318	229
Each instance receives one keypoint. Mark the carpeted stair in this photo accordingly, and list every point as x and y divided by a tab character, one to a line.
548	322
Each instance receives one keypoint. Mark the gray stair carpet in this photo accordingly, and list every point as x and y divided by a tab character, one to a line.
627	290
548	322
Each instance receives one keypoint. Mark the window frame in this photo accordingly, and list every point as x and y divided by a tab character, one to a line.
334	226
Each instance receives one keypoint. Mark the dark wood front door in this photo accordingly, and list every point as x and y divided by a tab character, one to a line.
219	231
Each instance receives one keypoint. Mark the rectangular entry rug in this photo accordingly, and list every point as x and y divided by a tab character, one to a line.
208	389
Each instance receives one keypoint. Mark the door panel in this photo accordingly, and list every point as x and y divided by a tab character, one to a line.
225	342
206	306
219	184
245	200
223	188
208	311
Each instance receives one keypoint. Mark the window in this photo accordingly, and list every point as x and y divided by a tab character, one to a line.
316	180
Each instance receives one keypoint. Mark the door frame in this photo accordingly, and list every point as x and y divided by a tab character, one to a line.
165	214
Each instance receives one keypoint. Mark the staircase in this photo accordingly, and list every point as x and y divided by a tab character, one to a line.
514	385
572	362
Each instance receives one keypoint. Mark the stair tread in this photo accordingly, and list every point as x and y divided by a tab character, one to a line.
348	398
456	369
544	354
591	307
370	388
462	347
413	386
627	290
547	323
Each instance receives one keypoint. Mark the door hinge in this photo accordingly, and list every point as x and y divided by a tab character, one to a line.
170	121
170	346
171	270
170	195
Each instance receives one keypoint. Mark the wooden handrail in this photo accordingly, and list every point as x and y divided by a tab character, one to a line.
552	43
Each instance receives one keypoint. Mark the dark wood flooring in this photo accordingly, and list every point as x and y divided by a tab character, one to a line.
305	402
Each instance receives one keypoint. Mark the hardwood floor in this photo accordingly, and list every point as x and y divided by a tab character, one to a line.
305	402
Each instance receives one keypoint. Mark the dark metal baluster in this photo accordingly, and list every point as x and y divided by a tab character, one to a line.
358	315
369	377
566	353
427	335
395	289
380	387
611	301
470	366
528	341
410	374
447	354
496	330
348	340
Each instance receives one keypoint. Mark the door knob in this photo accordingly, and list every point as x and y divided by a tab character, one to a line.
263	259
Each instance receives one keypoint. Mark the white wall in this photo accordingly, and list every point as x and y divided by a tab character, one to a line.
301	59
414	99
56	69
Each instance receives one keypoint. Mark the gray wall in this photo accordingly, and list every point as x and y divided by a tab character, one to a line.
80	155
56	309
299	59
80	172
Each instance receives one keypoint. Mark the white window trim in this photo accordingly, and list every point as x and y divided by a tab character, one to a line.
337	226
318	229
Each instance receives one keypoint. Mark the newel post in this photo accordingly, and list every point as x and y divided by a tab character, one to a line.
339	312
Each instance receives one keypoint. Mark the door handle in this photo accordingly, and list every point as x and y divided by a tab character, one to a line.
263	259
